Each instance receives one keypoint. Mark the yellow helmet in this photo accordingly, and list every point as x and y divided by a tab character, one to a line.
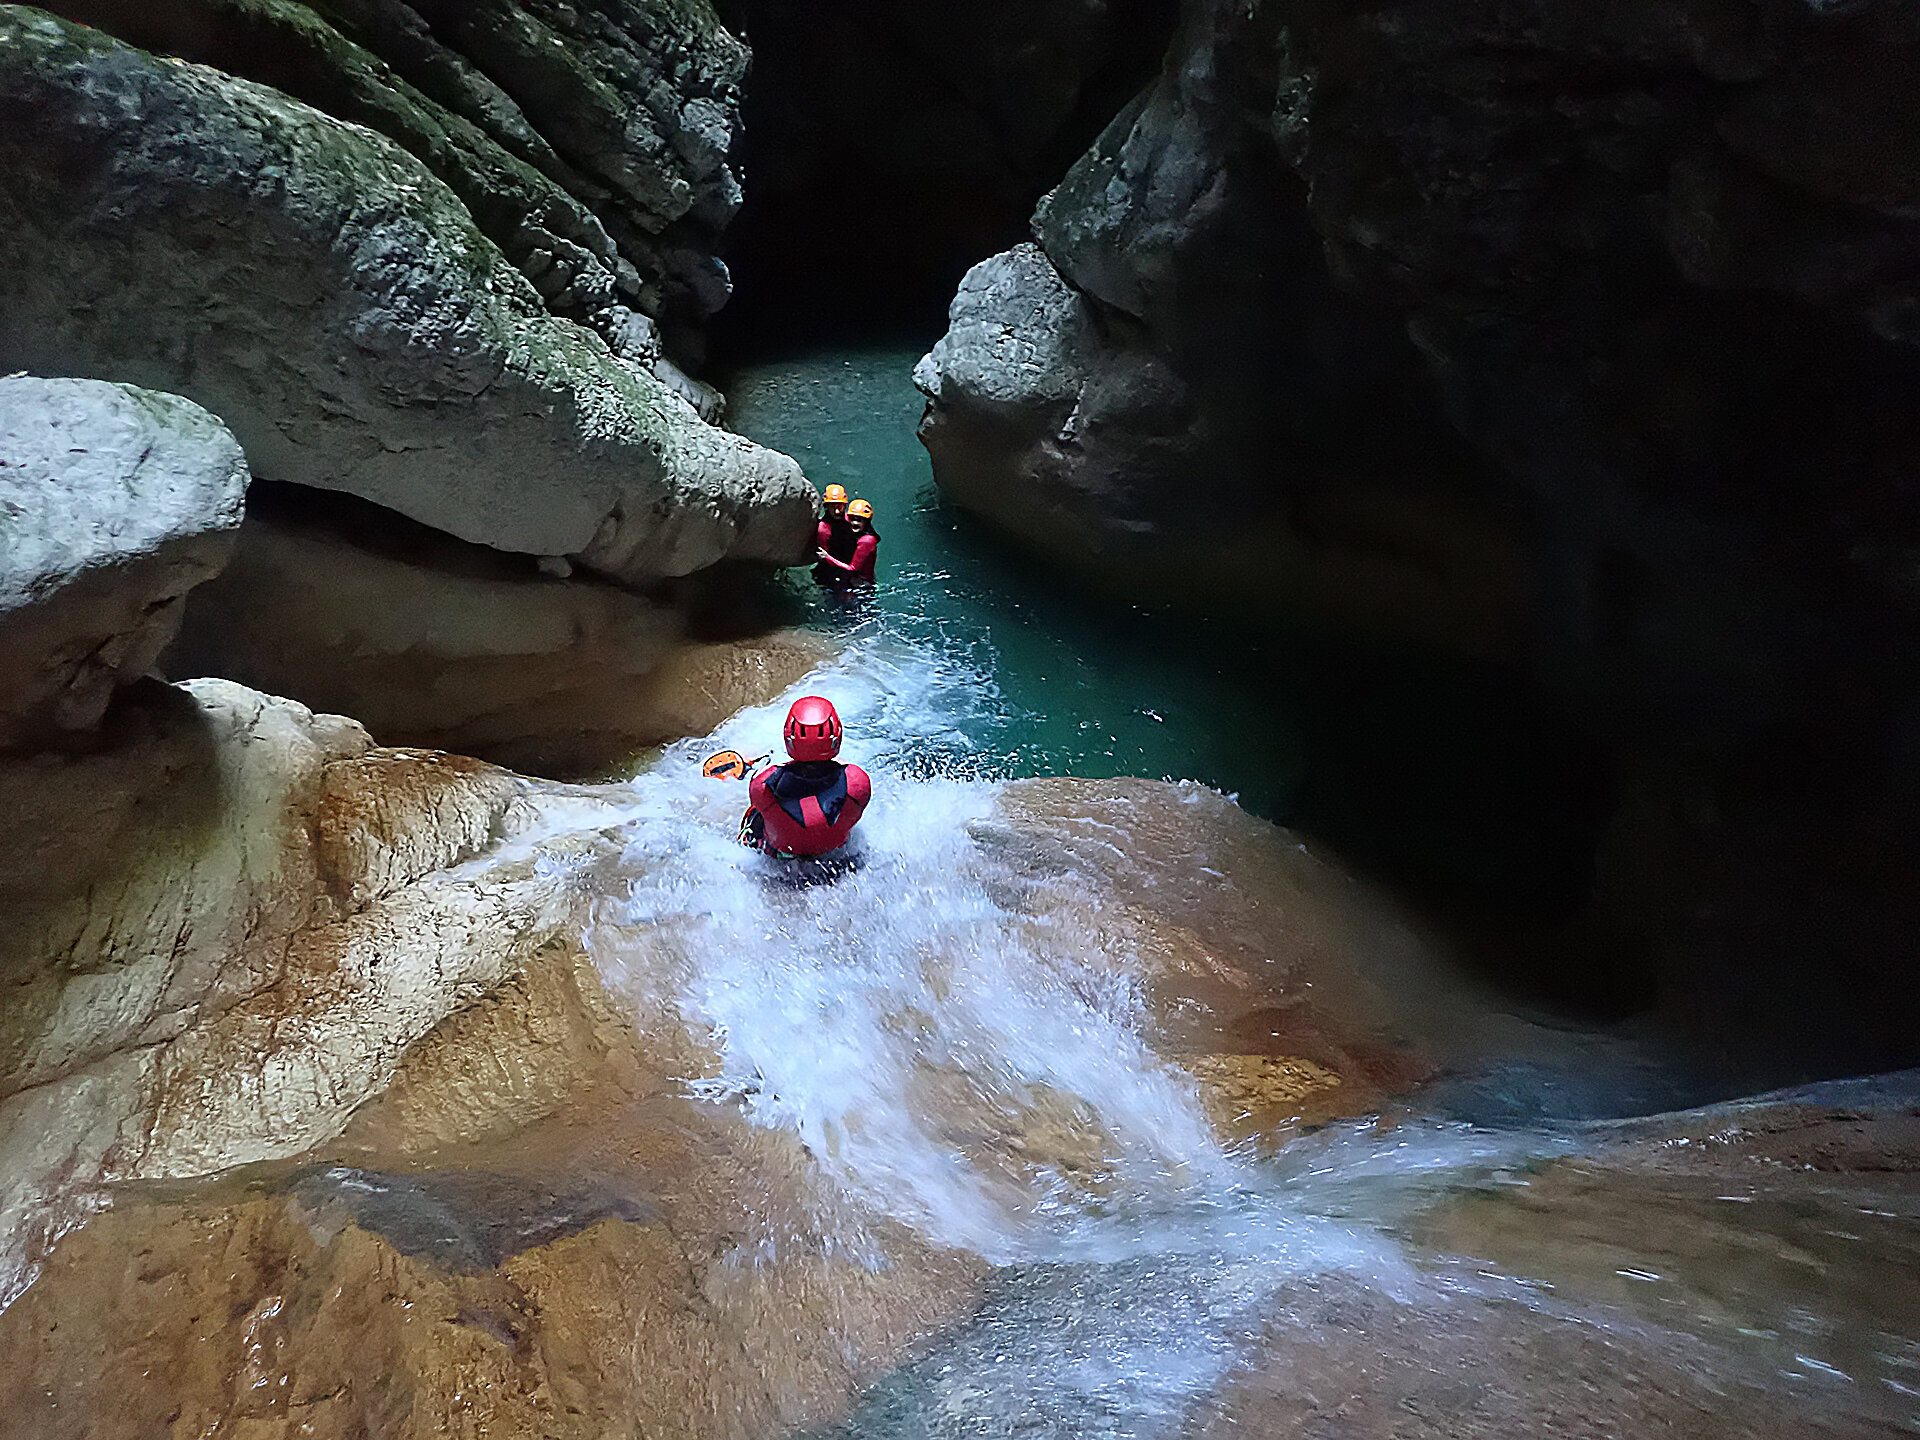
836	495
859	510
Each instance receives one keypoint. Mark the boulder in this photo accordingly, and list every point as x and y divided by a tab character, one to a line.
315	285
1069	425
427	641
558	128
1225	428
117	502
226	926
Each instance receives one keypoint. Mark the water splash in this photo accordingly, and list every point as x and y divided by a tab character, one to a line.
954	1055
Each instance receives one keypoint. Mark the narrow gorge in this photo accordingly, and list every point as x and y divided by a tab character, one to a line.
1389	699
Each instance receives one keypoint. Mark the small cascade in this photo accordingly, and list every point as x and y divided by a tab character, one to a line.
963	1050
957	1032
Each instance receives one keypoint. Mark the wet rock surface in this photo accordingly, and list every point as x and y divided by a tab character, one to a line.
334	303
1769	1242
116	502
532	1232
562	1207
461	1220
1272	977
227	926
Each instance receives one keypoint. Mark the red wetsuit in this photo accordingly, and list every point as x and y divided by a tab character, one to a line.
808	807
866	551
836	538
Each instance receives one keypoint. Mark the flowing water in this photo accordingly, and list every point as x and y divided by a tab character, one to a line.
968	1047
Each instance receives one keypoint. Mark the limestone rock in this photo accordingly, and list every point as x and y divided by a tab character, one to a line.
1580	340
116	502
225	929
557	127
333	302
1289	991
429	642
1048	413
531	1233
1069	424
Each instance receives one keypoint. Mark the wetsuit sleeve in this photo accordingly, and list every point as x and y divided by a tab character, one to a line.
865	554
758	796
822	535
859	790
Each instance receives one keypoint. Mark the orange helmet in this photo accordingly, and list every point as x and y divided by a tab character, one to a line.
836	495
859	510
813	729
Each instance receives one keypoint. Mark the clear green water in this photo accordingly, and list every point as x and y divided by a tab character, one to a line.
1444	776
1086	686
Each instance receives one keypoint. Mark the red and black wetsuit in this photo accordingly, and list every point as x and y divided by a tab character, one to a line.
808	807
837	539
857	558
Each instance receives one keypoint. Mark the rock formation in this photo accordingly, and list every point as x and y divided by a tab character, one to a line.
1654	264
116	502
590	144
225	927
315	1110
332	301
1692	1260
460	1194
430	641
444	265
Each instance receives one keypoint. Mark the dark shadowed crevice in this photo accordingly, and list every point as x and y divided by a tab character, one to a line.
888	148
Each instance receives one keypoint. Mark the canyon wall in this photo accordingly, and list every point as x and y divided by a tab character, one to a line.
1579	340
461	310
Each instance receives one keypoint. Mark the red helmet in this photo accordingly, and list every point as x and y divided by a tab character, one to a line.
813	729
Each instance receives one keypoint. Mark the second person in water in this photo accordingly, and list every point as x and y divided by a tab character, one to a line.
847	547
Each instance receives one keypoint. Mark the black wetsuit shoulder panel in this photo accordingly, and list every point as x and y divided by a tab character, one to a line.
798	780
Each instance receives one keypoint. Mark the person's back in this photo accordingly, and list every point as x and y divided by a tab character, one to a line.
809	805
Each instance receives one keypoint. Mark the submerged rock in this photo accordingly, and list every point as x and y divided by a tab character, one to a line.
333	301
116	502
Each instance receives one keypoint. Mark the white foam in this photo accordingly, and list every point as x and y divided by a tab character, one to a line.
905	1024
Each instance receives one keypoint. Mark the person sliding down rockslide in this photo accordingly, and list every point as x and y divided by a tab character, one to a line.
810	805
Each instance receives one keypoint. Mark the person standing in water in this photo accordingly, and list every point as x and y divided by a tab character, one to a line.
833	537
810	805
858	560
